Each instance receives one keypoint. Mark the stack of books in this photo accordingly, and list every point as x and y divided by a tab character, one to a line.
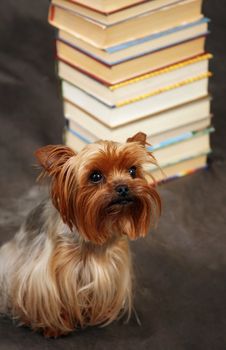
136	65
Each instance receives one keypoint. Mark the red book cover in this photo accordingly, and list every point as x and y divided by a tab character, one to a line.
51	13
108	12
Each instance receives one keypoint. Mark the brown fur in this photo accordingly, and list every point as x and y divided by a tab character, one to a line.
77	271
114	162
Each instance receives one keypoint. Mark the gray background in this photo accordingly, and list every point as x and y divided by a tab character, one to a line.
181	267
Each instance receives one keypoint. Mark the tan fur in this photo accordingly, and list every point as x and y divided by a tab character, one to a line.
70	266
70	286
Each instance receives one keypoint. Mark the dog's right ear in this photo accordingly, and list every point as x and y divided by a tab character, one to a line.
55	161
53	157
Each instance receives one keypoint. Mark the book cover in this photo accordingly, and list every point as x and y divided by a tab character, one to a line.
104	36
135	49
116	17
182	168
112	75
108	7
115	117
157	35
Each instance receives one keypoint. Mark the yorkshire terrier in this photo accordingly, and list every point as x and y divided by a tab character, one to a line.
69	266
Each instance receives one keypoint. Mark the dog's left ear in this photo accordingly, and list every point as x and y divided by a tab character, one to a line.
140	137
53	156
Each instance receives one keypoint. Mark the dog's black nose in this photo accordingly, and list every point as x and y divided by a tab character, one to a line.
122	190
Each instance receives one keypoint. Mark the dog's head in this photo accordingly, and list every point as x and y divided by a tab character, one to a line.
103	190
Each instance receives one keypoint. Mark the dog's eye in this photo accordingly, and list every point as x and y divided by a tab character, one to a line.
133	171
96	176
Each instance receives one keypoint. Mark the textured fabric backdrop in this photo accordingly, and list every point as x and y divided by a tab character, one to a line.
181	267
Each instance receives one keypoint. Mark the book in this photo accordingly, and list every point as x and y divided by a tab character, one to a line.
108	6
154	124
180	139
159	140
115	74
103	36
197	143
153	102
130	66
116	17
117	94
135	48
179	169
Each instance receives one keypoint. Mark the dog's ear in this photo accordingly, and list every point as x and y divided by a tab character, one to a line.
140	137
51	157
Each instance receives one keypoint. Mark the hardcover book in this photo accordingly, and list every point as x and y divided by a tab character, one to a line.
136	66
158	140
198	143
118	16
118	94
108	6
136	48
114	74
184	167
153	102
153	124
104	36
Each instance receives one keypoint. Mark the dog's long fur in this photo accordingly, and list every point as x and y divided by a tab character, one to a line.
69	265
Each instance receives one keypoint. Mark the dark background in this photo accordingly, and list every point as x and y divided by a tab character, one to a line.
181	267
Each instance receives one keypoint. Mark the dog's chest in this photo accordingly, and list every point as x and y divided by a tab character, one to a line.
96	283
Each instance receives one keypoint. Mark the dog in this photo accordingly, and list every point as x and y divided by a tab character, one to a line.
69	266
